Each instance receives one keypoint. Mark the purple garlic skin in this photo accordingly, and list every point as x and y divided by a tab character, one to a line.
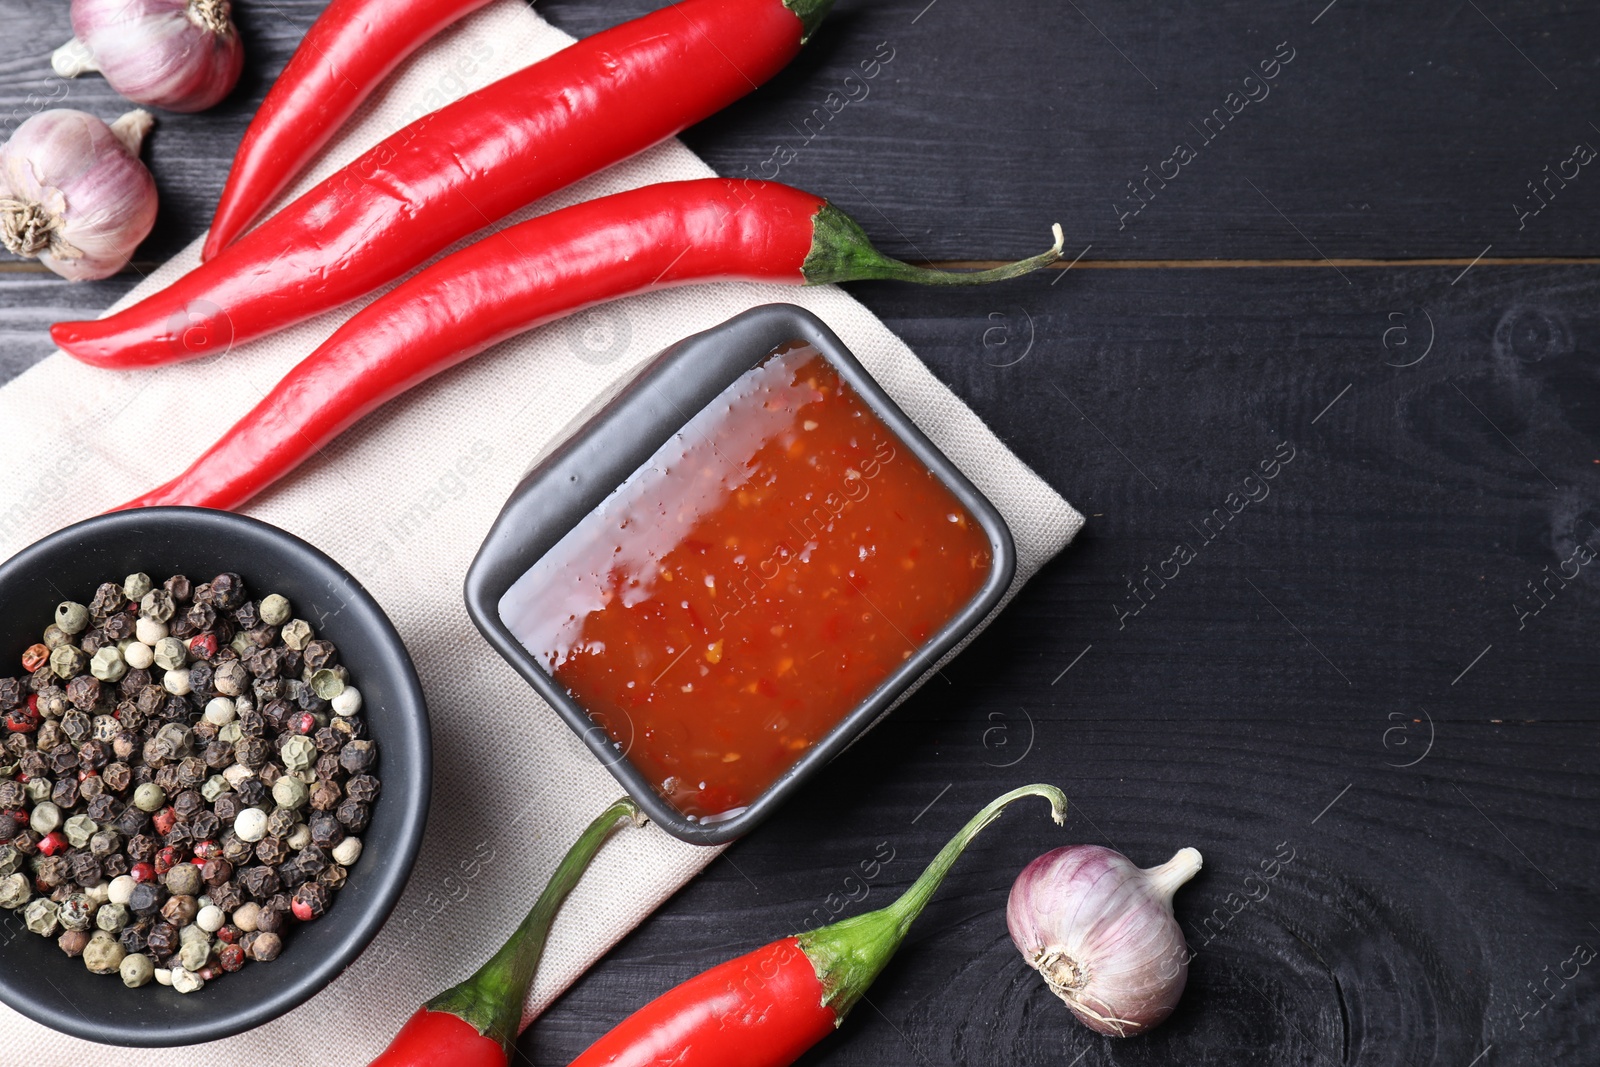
1101	932
180	55
73	193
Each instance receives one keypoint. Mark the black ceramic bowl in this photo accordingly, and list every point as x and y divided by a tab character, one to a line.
623	430
42	983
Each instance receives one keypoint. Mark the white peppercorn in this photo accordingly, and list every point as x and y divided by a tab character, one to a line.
219	711
299	837
210	918
235	773
245	916
187	981
162	975
72	617
121	888
346	852
104	954
251	825
348	702
149	631
136	970
139	655
176	682
107	664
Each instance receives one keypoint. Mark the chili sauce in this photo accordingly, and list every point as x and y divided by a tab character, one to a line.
748	586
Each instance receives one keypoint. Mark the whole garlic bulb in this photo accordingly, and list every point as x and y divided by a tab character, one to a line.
1102	933
73	192
181	55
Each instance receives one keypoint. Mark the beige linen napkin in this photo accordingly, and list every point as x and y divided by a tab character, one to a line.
403	501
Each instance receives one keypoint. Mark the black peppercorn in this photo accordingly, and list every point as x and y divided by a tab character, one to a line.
113	865
167	778
363	787
92	787
260	882
162	939
142	848
326	829
201	616
92	641
202	675
118	627
75	723
146	898
325	796
188	804
83	693
50	871
191	772
62	759
150	701
312	859
218	754
328	740
33	765
12	693
216	871
182	627
180	909
94	753
85	868
319	654
116	776
12	794
228	591
281	822
205	825
292	874
108	598
334	877
104	842
178	588
252	752
9	825
359	757
272	850
227	807
253	792
235	849
130	820
103	808
65	792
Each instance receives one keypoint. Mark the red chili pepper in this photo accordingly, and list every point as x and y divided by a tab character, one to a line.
765	1008
676	233
353	45
475	1023
452	172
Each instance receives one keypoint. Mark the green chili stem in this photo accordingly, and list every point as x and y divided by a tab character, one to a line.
842	252
492	998
810	13
850	954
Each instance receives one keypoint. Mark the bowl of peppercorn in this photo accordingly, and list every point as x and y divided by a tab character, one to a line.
214	775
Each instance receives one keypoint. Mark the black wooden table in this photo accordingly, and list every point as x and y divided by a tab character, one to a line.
1359	663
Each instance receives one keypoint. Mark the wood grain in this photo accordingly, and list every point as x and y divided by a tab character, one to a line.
1347	667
